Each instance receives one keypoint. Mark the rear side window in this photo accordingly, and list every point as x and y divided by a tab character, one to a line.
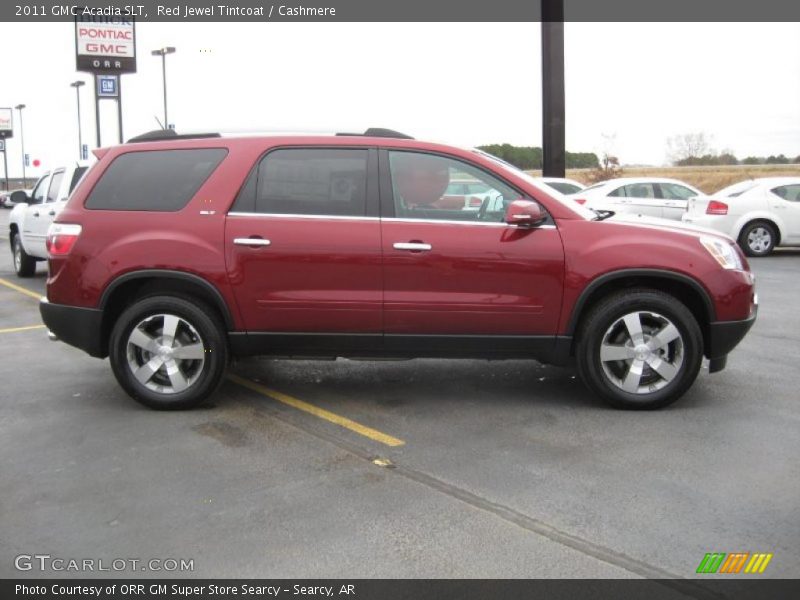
76	177
156	180
55	186
308	181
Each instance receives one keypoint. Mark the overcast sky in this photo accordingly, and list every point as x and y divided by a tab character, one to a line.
462	83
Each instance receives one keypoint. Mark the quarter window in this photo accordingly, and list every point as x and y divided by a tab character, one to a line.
673	191
788	192
420	184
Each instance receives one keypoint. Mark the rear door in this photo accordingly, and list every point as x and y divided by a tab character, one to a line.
459	276
302	245
33	228
785	201
674	199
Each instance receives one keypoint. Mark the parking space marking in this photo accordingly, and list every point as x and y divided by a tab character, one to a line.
321	413
20	289
26	328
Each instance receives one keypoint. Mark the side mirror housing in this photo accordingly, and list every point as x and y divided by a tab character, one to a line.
19	197
525	213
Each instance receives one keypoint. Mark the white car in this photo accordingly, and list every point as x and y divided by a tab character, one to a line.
759	213
29	221
653	197
562	184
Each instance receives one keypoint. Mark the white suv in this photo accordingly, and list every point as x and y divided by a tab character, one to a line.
29	221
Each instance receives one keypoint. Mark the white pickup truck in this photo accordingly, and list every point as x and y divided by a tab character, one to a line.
30	219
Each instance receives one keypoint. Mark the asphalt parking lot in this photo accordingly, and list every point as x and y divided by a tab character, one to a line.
497	469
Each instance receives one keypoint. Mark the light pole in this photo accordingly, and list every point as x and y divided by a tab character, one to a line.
19	107
162	52
77	85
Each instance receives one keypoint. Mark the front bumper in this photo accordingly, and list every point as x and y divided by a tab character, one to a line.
77	326
724	336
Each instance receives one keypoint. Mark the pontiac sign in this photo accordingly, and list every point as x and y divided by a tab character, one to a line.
6	123
105	44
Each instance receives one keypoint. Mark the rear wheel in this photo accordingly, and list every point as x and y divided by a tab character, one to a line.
758	238
24	264
639	349
168	353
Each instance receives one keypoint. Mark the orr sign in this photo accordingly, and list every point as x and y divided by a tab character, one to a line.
105	44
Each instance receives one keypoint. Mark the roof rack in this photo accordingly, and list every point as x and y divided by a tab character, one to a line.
380	132
169	134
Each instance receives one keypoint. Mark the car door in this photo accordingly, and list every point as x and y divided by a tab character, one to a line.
675	198
785	201
454	278
33	234
46	213
641	199
302	244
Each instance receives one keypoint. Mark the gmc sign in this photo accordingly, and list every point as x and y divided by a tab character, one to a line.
105	44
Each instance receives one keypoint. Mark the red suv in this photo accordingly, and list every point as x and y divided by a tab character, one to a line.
175	253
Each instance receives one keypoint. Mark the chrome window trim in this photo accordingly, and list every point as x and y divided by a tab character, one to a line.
390	219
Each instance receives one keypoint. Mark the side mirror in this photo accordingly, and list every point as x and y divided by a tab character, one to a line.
524	213
19	197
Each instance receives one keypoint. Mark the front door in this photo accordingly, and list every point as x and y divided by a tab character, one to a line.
303	250
674	199
458	273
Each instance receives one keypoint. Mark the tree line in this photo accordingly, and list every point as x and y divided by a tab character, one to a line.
530	157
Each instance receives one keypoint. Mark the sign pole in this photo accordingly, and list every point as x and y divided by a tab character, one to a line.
119	107
5	165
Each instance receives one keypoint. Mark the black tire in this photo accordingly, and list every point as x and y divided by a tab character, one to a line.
24	263
758	238
197	326
654	310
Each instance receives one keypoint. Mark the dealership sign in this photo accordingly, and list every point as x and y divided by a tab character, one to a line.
6	123
105	44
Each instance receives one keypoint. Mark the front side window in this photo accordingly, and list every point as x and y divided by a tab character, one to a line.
55	186
420	183
154	180
38	194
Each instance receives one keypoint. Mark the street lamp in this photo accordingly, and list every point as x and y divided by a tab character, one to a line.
77	85
19	107
162	52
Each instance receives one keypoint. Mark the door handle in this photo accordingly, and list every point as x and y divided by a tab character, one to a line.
412	246
52	213
251	241
36	214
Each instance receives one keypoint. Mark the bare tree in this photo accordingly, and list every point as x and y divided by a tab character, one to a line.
687	145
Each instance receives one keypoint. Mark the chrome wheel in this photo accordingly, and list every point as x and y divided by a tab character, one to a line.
641	352
165	353
17	255
759	239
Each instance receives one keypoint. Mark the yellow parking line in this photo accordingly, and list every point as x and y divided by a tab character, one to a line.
20	289
368	432
26	328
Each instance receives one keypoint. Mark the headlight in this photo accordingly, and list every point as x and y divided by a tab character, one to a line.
724	253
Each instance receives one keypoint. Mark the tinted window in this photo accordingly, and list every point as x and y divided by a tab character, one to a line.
37	196
420	182
617	193
673	191
76	177
311	182
788	192
157	180
55	186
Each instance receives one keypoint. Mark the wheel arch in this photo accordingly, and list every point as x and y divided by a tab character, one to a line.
127	288
755	217
686	289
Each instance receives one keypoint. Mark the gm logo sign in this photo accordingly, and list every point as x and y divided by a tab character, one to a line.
108	86
720	562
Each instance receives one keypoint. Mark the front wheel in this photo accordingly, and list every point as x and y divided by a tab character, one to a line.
639	349
168	353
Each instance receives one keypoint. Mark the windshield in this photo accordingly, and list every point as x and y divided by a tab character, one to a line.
587	214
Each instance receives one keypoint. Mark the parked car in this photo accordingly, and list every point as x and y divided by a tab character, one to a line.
11	198
563	185
175	253
33	214
653	197
760	213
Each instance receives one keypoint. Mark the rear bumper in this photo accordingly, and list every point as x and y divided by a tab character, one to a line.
76	326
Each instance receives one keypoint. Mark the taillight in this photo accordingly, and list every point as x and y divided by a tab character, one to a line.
715	207
61	238
580	200
475	202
